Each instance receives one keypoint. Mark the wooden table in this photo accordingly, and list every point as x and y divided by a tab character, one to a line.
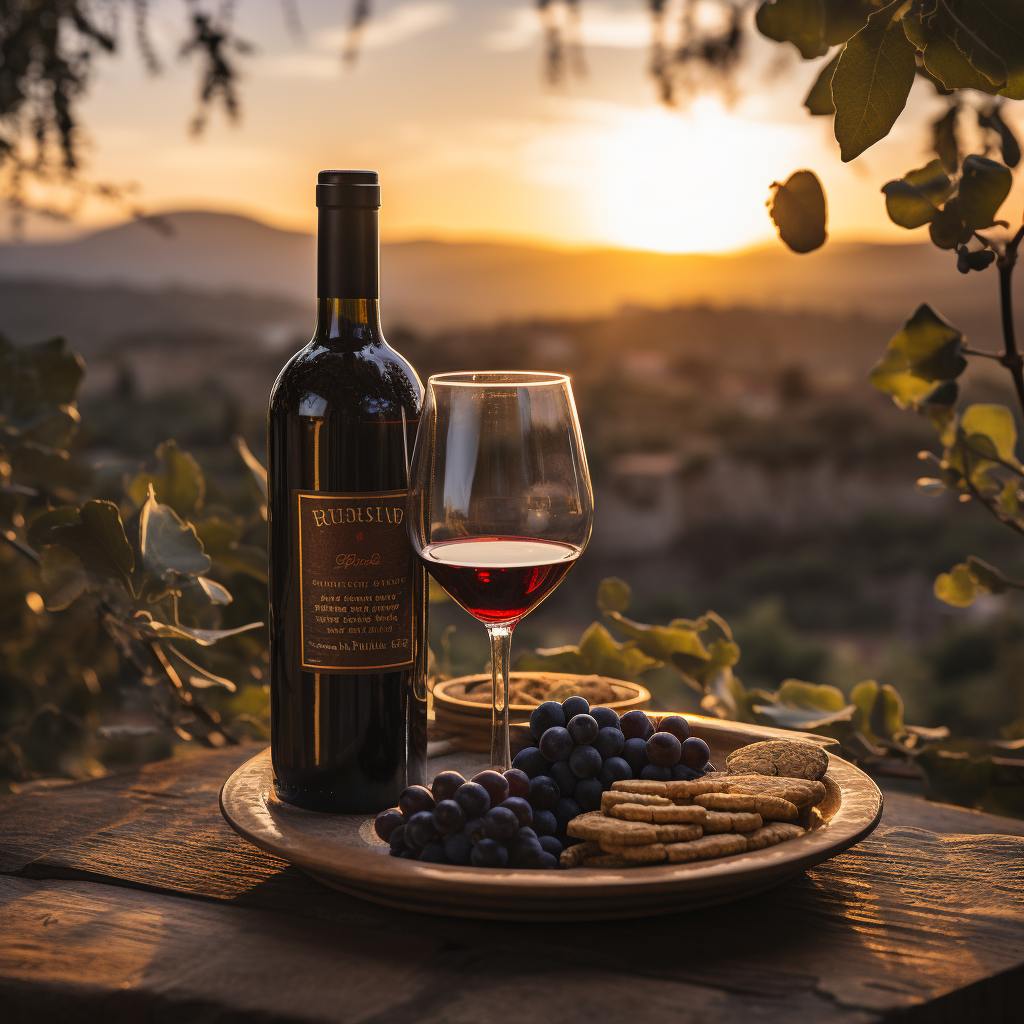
129	899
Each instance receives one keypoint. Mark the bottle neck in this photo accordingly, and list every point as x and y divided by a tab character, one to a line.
348	254
348	322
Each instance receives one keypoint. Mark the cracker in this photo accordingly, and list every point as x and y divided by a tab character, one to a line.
594	825
650	854
731	821
673	790
802	792
630	812
679	833
706	848
572	856
772	833
788	758
771	808
609	797
692	814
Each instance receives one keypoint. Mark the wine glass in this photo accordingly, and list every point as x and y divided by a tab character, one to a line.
500	503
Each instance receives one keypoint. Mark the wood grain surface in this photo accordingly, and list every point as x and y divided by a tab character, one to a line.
129	899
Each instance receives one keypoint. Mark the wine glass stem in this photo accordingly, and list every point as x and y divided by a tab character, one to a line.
501	650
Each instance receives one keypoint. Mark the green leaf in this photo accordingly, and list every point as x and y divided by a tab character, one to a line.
104	520
799	211
939	39
819	99
886	718
983	187
41	530
948	228
988	576
179	484
800	22
613	595
63	576
944	140
214	591
906	205
872	81
813	697
926	350
958	587
1008	145
844	18
994	422
169	547
58	371
597	654
996	27
862	696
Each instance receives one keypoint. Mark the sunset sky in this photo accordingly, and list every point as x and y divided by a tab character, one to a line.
448	102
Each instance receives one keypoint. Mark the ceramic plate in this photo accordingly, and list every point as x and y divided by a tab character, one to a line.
343	851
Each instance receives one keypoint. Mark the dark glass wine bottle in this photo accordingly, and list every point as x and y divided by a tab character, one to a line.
348	610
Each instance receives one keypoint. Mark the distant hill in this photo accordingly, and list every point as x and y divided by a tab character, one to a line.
434	285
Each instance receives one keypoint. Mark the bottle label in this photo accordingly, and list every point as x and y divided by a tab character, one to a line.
356	569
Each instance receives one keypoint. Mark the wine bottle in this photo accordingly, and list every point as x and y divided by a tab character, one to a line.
348	609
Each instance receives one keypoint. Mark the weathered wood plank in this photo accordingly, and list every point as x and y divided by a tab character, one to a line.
159	826
88	950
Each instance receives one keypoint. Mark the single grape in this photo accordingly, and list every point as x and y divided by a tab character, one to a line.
518	782
387	821
457	847
489	854
634	753
656	773
636	724
677	725
544	793
545	862
522	852
583	729
495	783
521	809
444	785
449	817
615	769
557	743
433	853
606	718
609	742
564	778
420	830
544	823
573	706
588	794
565	810
663	749
585	762
501	823
532	762
397	840
409	854
680	773
527	833
551	845
415	799
544	716
695	753
474	799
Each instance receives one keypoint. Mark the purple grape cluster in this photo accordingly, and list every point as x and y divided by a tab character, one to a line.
665	753
491	821
577	757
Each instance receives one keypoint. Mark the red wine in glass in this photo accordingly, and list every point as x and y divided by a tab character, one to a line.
499	579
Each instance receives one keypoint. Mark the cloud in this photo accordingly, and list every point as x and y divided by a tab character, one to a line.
601	26
396	26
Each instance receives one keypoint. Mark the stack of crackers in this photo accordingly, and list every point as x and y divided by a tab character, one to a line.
642	822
